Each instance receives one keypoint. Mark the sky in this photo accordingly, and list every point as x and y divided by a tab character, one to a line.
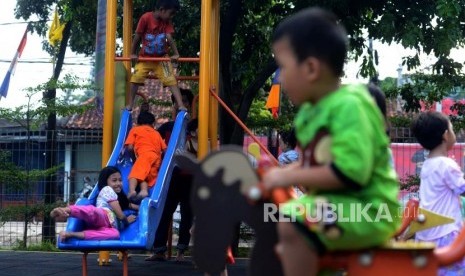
29	74
32	74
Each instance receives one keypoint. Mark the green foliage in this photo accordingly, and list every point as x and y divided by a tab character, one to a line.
458	120
72	84
410	183
20	212
261	120
21	179
18	177
389	87
400	121
44	246
24	179
427	88
35	113
432	27
368	67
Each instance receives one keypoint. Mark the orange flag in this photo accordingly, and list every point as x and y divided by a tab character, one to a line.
273	99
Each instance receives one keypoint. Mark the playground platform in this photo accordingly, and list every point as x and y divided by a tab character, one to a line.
19	263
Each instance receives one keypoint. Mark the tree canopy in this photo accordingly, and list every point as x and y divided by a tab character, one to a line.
246	63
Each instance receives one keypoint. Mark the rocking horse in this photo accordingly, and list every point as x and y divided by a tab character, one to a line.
226	192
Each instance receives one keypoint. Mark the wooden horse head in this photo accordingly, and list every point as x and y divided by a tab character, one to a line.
218	199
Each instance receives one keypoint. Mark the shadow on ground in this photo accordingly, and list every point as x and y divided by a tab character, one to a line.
69	263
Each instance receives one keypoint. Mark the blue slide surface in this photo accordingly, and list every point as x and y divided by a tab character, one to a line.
141	233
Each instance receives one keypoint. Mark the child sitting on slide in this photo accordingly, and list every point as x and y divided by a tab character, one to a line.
148	146
104	219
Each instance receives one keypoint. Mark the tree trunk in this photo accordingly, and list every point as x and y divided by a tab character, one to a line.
48	226
227	29
249	94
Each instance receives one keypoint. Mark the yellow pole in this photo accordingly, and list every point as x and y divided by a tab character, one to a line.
127	40
214	71
108	96
204	78
109	82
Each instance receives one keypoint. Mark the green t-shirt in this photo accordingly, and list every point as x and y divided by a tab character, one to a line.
346	130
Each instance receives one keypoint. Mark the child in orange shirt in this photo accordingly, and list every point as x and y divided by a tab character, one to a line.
148	147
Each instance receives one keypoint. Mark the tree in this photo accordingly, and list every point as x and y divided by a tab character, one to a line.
30	116
246	63
23	179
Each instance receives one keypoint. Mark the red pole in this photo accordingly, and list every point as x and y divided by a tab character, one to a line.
246	129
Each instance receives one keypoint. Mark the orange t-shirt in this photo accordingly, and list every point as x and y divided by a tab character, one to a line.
145	138
148	147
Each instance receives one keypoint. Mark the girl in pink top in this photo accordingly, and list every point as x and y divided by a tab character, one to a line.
441	182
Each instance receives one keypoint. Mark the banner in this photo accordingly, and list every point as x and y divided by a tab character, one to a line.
55	34
409	157
11	70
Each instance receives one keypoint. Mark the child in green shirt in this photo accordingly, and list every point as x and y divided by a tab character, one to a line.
351	200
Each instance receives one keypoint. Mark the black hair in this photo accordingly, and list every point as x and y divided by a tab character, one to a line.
192	125
379	97
314	32
105	174
184	92
123	200
168	5
103	180
429	129
289	138
380	100
145	118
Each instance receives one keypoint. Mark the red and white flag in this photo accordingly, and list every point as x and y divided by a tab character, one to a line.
11	70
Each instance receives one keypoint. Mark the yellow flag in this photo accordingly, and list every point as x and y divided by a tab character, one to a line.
55	34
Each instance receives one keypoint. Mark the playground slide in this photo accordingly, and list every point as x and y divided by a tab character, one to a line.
141	233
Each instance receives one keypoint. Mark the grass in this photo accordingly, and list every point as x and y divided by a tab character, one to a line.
44	246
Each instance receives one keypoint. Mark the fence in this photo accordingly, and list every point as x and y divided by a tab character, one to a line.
78	154
76	157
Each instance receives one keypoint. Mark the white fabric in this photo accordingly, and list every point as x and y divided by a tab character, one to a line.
441	184
106	195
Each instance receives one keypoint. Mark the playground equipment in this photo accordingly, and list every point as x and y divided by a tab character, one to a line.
141	233
221	199
209	51
208	77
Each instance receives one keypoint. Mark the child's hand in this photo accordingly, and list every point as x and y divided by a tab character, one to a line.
274	177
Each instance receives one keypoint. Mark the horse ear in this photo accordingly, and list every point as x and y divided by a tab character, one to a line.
187	161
